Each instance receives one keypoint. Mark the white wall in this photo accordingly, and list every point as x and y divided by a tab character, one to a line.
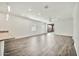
76	27
64	26
25	27
3	22
19	26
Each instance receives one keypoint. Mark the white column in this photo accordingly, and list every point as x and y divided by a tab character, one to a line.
1	48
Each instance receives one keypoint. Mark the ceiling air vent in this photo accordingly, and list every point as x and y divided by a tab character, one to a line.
46	6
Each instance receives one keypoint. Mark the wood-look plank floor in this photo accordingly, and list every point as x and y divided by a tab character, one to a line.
45	45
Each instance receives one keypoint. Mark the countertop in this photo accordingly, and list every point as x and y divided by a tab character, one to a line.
5	35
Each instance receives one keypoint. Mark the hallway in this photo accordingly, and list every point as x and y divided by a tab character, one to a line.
42	45
39	29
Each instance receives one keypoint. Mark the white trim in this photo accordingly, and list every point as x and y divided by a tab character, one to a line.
63	34
1	48
30	36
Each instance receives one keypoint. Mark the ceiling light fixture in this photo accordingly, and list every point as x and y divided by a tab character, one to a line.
29	9
39	13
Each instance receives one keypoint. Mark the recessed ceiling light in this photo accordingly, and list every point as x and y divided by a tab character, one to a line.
39	13
29	9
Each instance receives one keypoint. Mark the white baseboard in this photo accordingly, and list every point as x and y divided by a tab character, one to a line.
63	34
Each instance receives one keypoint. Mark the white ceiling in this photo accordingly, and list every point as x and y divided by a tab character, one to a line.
54	10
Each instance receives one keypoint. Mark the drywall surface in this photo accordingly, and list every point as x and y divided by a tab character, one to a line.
3	22
76	27
25	27
64	26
